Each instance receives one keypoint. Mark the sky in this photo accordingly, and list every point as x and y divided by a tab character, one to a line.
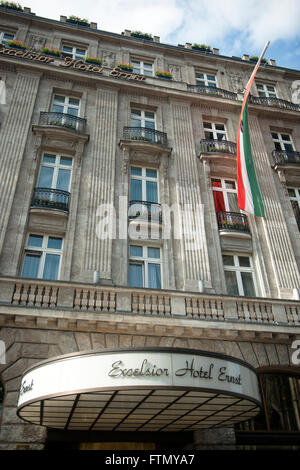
235	27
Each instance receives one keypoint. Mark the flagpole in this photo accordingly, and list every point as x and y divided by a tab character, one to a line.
255	69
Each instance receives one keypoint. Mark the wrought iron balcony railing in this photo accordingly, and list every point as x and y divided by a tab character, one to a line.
212	91
150	211
145	134
233	221
217	146
67	121
274	102
51	199
285	156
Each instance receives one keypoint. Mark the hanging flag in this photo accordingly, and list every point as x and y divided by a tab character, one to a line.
249	196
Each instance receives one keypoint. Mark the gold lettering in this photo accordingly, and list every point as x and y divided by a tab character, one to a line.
114	73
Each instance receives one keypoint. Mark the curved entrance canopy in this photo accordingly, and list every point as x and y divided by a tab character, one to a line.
139	389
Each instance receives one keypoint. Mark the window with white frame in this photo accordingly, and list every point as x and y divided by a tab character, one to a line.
143	184
282	141
142	118
214	131
266	91
205	79
143	68
145	267
225	195
42	259
65	104
239	275
74	52
294	195
55	172
6	36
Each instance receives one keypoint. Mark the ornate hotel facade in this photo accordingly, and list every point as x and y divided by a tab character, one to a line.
139	308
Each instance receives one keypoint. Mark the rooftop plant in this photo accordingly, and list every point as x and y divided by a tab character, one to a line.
203	47
13	5
139	34
76	19
254	58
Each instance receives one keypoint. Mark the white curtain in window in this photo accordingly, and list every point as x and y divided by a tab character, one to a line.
51	266
154	276
135	275
31	266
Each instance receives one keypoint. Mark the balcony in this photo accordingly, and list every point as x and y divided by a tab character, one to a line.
233	221
62	120
274	102
212	91
284	157
145	211
218	146
46	198
145	134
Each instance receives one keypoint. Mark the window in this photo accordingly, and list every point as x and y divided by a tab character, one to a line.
266	91
143	184
66	105
225	195
239	275
140	118
203	79
42	257
294	195
282	141
214	131
142	68
6	36
74	52
1	397
144	267
55	172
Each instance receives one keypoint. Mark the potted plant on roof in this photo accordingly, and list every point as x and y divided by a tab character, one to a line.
140	35
201	47
11	5
163	74
124	66
16	44
79	21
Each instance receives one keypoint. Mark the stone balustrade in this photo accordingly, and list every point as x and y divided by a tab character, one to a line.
61	295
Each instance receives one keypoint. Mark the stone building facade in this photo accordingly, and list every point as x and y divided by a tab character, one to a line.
92	158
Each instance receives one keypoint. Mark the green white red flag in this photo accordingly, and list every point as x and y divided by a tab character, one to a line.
249	196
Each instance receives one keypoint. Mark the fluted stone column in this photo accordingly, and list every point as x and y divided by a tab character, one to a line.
98	252
14	133
195	261
273	226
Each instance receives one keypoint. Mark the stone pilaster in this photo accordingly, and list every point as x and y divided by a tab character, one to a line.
98	251
273	226
14	133
193	245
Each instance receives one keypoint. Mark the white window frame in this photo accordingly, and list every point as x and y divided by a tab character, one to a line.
42	251
225	190
143	118
2	38
214	130
265	93
279	140
56	166
237	269
73	53
66	103
144	178
207	81
144	261
140	67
